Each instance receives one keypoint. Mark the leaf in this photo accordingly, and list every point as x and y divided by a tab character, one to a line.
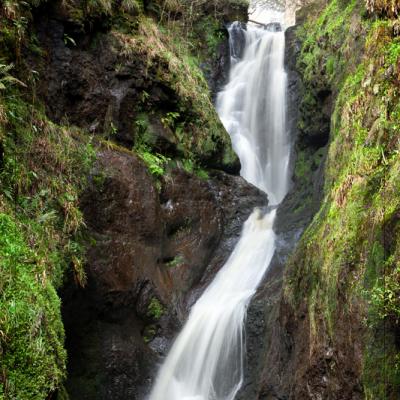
48	216
11	79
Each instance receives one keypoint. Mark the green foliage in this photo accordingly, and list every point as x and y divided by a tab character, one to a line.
6	79
348	259
155	309
31	332
393	51
149	333
191	167
178	260
169	119
385	296
155	162
325	41
44	169
193	120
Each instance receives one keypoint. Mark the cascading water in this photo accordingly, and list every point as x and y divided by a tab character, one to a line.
252	108
206	360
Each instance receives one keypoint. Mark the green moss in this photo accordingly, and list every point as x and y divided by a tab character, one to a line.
177	260
345	253
149	333
155	309
192	167
192	118
44	168
32	336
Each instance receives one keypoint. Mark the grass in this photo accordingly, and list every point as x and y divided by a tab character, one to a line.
43	171
44	168
349	256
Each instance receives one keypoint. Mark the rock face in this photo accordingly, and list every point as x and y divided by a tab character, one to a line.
152	252
127	82
153	241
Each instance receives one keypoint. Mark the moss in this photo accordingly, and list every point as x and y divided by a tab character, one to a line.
32	335
42	174
192	118
177	260
155	309
344	256
149	333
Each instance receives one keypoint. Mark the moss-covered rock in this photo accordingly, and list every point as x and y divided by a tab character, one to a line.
78	77
42	173
345	272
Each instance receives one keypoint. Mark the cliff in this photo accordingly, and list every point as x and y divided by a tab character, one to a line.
118	193
325	324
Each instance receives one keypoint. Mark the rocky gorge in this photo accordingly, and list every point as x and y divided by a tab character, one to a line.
120	198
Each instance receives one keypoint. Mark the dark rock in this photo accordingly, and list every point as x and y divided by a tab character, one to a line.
237	30
217	70
273	27
152	254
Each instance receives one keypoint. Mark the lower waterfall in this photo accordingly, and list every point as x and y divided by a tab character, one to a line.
206	360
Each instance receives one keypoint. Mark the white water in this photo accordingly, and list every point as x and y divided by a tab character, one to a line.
206	360
252	108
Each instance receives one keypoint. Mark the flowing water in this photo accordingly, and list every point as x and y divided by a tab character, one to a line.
206	360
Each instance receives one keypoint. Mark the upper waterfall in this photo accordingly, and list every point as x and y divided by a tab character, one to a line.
252	109
206	360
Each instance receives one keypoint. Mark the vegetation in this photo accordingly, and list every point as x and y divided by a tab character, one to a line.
391	8
43	171
350	253
155	310
197	131
44	166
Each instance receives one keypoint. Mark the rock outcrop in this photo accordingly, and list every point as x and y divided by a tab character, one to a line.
162	215
151	254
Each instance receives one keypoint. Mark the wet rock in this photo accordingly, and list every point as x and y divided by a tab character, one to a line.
238	40
152	253
273	27
217	70
102	81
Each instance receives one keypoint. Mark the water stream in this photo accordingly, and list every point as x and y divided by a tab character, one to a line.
206	360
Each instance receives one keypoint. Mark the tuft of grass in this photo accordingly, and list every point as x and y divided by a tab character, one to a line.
155	309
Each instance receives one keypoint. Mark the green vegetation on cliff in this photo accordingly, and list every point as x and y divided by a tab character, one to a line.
45	162
347	265
43	170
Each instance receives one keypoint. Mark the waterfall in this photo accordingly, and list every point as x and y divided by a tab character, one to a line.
252	109
206	360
